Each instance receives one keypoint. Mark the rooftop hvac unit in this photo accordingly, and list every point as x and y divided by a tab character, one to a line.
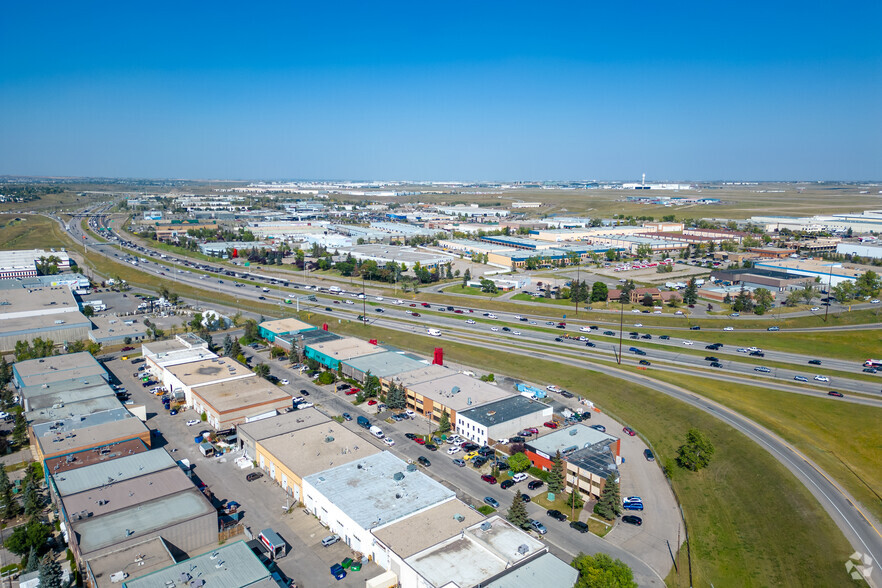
573	432
398	476
459	518
523	549
411	467
485	526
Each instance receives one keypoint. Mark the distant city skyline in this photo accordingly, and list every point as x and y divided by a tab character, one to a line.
450	92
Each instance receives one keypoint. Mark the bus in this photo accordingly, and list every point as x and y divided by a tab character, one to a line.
873	363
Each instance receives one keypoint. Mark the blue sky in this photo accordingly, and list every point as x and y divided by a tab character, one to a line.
442	91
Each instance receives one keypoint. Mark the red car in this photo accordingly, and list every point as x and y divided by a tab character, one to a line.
489	479
413	304
351	391
371	402
127	348
835	393
420	440
415	314
457	311
629	431
425	304
550	425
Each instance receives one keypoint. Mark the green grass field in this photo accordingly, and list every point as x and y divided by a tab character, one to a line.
30	232
459	289
741	535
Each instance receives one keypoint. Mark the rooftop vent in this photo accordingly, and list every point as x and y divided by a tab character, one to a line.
398	476
523	549
573	432
485	526
459	518
411	467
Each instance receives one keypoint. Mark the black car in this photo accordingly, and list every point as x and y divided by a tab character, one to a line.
632	520
431	447
712	347
757	354
556	514
517	439
695	328
410	436
469	447
558	339
716	364
646	336
815	361
424	461
579	526
254	476
506	329
711	358
506	484
645	362
647	453
589	344
535	484
665	337
485	451
479	462
593	327
566	394
502	465
525	498
609	333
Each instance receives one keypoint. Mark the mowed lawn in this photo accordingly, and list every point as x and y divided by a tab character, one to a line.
751	522
843	438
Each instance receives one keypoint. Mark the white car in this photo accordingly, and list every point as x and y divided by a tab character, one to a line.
638	324
583	338
822	378
552	388
679	312
520	477
192	422
742	350
584	329
388	441
305	405
728	328
637	310
874	301
398	302
687	342
470	322
815	308
515	332
656	312
379	298
284	382
517	317
494	328
452	450
491	315
349	302
753	348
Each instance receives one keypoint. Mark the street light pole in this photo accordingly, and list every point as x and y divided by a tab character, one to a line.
621	327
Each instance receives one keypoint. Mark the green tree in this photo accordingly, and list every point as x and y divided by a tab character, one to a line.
696	453
517	512
690	294
602	571
808	292
228	345
466	276
20	431
556	480
32	534
371	386
762	298
33	502
50	573
844	291
868	284
488	286
88	310
599	292
10	506
609	506
262	370
326	378
575	500
396	398
31	562
252	333
647	300
444	423
519	462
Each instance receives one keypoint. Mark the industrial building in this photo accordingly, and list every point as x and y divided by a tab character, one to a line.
187	377
109	330
517	242
40	396
383	365
109	506
828	273
285	327
433	390
331	353
409	256
470	247
631	243
590	456
184	348
365	495
501	419
56	369
869	249
82	432
232	402
51	313
22	263
256	430
473	211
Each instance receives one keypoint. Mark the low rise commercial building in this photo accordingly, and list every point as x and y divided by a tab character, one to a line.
330	354
368	494
84	432
409	256
721	234
829	273
631	243
590	456
41	396
117	331
187	377
636	295
232	402
184	348
56	369
285	327
383	365
517	242
470	247
868	249
501	419
22	263
50	313
432	392
252	432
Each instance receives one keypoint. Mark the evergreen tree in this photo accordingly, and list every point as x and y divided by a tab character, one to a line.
50	573
33	502
32	561
556	480
444	423
696	453
690	294
517	513
610	504
371	385
10	506
20	431
575	500
228	345
396	398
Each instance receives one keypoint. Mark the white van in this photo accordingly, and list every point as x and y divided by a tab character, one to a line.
377	432
434	332
334	290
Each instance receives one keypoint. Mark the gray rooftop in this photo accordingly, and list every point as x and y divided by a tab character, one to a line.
100	433
501	411
137	560
57	368
228	566
65	410
545	570
459	391
69	424
73	391
569	439
317	336
123	468
385	364
428	528
110	498
367	493
282	424
140	521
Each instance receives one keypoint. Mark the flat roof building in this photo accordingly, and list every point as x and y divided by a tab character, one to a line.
57	368
189	376
383	365
114	330
383	254
501	419
451	393
252	432
138	560
368	494
831	273
66	463
232	402
269	330
68	391
331	353
51	313
85	432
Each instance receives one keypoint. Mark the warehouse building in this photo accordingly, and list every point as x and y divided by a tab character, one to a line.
383	365
830	273
42	396
57	466
84	432
109	506
869	249
186	348
116	331
331	353
252	432
631	243
470	247
590	456
517	242
368	494
51	313
22	263
187	377
232	402
57	369
409	256
140	559
501	419
288	458
285	327
433	390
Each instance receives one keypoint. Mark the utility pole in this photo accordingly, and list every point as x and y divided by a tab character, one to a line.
829	283
621	327
363	302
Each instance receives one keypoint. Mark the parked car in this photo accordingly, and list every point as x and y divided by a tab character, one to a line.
506	484
647	453
579	526
535	484
600	428
550	424
629	431
538	527
489	479
424	461
556	514
491	501
254	476
632	505
632	520
330	540
459	462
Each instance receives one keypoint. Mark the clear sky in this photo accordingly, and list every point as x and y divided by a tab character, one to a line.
452	90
